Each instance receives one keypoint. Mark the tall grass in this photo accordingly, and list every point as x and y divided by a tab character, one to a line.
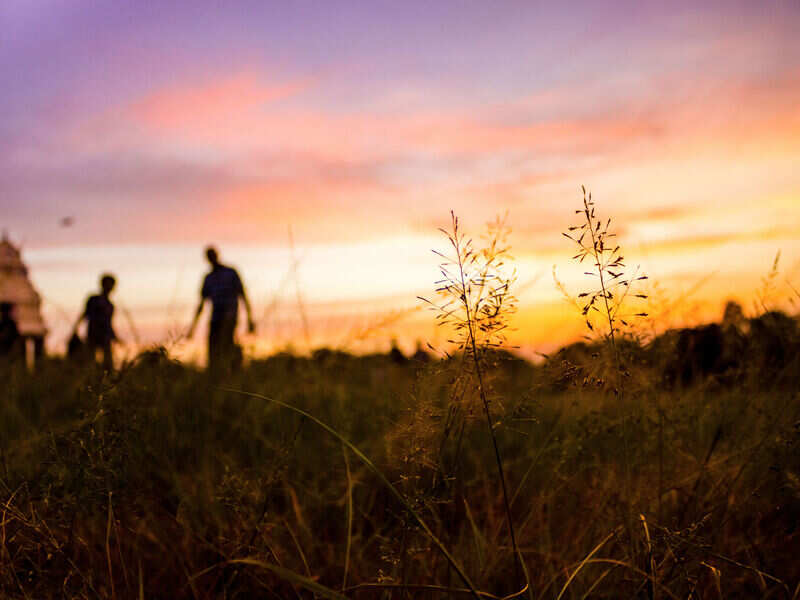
596	241
476	302
155	482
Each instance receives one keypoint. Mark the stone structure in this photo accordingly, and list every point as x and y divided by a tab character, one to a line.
16	288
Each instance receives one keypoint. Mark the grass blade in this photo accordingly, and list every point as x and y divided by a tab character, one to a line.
349	517
584	562
372	467
292	577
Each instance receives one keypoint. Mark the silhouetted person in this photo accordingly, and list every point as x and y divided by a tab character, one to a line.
76	349
11	347
733	317
223	288
98	314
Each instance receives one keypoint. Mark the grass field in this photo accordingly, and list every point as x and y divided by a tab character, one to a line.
153	482
627	467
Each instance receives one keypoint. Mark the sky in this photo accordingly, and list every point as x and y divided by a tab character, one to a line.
321	145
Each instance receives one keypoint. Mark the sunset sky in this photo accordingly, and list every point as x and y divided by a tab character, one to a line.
163	126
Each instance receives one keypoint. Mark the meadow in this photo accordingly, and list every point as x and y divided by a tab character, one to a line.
627	466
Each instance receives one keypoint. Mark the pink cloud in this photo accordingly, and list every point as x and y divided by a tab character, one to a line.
253	155
234	115
184	106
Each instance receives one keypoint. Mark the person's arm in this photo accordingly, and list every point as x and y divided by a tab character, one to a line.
80	318
251	326
197	313
114	336
204	293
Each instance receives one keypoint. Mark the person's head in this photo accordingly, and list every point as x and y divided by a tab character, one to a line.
5	309
107	282
212	256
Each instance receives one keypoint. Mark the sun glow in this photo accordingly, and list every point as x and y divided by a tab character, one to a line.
361	143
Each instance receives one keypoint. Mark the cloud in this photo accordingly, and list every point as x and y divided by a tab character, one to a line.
228	99
249	153
238	115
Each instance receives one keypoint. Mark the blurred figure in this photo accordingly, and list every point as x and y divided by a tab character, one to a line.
76	349
223	288
733	317
11	347
98	314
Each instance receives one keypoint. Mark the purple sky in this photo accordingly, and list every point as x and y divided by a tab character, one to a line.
189	122
72	70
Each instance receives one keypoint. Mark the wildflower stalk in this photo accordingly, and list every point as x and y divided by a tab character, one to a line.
485	402
610	268
477	302
597	251
598	261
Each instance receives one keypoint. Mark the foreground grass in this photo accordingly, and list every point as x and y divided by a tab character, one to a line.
159	482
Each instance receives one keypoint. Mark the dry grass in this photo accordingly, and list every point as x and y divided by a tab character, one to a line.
367	477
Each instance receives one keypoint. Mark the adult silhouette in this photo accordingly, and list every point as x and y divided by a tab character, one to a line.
223	287
11	348
98	314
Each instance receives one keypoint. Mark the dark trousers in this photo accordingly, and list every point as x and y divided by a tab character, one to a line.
221	348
